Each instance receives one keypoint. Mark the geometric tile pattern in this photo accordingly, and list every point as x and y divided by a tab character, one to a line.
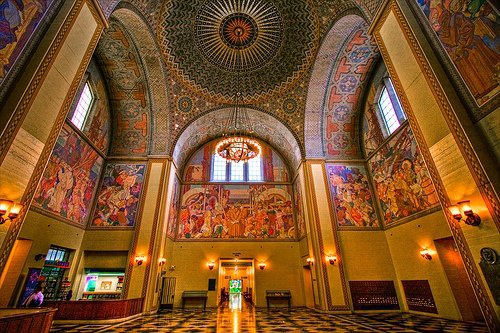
346	85
209	126
277	320
129	97
292	44
319	82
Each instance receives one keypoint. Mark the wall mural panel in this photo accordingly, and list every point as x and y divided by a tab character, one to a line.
402	181
118	199
470	34
174	208
351	196
98	125
236	212
372	133
18	21
69	181
299	208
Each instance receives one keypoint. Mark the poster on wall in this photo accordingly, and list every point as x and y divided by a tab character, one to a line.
68	183
19	20
118	197
469	32
351	196
29	284
236	212
402	182
174	208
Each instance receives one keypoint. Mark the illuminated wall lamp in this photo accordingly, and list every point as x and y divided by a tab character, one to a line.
140	259
162	261
426	254
262	265
10	209
464	206
310	261
211	265
331	259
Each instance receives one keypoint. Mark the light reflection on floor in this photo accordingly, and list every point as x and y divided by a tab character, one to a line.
251	320
236	316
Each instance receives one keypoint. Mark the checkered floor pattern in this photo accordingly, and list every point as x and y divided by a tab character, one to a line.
276	320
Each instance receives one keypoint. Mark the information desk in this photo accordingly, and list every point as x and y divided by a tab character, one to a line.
195	295
279	295
26	320
95	310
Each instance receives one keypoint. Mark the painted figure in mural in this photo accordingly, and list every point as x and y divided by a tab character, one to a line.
209	212
351	196
18	21
118	199
10	20
402	182
67	185
470	33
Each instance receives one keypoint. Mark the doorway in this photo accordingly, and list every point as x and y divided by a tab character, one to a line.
458	279
308	286
236	282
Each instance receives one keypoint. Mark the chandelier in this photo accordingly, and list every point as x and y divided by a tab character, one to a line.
237	144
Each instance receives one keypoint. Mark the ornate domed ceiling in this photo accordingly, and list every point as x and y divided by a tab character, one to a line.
264	45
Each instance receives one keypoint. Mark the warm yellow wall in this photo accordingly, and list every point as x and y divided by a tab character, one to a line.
426	114
405	243
143	276
29	142
283	271
46	231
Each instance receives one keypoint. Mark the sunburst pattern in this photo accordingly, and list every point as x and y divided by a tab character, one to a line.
238	34
265	45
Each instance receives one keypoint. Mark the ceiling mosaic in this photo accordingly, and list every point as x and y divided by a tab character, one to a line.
122	68
265	46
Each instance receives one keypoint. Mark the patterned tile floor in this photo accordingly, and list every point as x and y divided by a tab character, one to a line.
248	319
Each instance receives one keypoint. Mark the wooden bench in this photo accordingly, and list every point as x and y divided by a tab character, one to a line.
195	295
279	295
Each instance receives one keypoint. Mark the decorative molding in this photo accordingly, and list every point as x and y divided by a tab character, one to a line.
152	242
324	272
15	227
468	259
336	239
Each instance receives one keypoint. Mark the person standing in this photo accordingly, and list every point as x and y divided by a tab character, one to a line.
35	299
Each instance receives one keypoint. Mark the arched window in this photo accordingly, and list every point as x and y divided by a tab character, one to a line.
236	172
83	106
390	111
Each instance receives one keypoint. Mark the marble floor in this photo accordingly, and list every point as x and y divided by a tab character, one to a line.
240	317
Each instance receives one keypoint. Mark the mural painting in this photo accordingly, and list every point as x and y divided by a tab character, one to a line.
470	33
174	208
402	181
98	125
18	21
118	199
236	211
352	198
68	183
372	133
299	208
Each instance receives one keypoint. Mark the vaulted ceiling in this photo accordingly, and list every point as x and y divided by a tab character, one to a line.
210	50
